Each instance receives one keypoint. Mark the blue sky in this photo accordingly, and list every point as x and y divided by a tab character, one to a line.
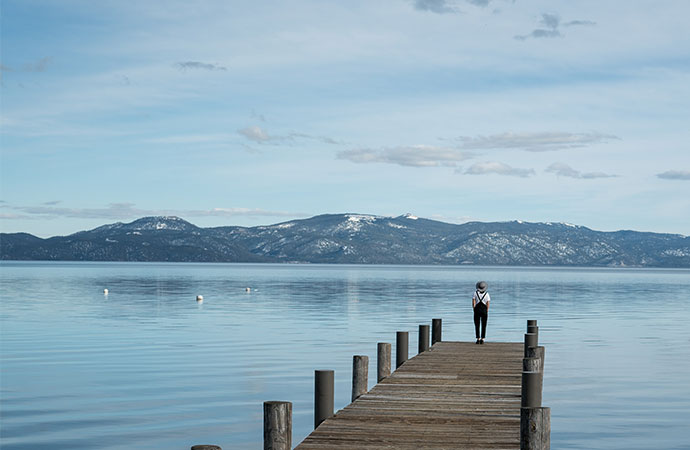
249	113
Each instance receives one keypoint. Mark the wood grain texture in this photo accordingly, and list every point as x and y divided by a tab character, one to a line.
456	395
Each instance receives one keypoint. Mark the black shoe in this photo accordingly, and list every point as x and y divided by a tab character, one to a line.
477	342
481	341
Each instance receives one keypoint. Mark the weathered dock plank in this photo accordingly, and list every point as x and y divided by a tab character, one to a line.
456	395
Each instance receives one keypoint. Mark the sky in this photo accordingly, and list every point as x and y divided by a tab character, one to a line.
257	112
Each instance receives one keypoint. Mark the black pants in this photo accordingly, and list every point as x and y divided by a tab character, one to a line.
481	314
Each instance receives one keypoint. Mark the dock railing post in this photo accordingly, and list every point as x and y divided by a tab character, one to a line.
360	375
535	420
436	330
277	425
401	347
383	361
531	340
323	395
423	343
537	352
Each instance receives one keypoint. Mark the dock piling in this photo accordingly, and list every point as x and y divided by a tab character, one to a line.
536	352
383	361
531	340
531	389
323	395
423	343
360	375
535	420
436	330
277	425
535	428
401	347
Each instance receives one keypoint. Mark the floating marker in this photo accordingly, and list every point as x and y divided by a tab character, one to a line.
199	298
247	289
105	292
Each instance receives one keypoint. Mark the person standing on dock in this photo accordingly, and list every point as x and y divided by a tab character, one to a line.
480	305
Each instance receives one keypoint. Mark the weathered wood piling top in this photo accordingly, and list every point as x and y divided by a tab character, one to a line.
456	395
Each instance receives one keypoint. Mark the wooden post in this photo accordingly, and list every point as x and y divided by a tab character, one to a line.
530	341
535	428
536	352
206	447
531	365
436	329
383	361
531	323
360	375
277	425
401	347
423	343
531	389
323	395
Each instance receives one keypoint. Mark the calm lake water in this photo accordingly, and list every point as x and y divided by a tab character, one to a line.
147	367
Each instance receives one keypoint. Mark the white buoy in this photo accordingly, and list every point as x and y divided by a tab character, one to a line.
199	298
247	289
105	292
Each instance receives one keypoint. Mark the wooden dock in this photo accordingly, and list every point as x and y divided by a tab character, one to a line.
455	395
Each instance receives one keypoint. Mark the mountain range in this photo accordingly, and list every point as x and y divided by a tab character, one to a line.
357	239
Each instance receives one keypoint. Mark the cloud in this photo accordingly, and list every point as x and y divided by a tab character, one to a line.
39	66
564	170
52	202
435	6
259	116
675	175
498	168
194	65
482	3
410	156
551	23
118	211
256	134
192	139
572	23
533	142
259	135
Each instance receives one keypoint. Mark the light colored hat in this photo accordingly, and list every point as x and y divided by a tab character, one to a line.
481	286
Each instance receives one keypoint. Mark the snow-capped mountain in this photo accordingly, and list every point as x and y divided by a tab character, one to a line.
358	238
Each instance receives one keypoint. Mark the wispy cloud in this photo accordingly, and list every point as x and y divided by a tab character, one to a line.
498	168
38	66
675	175
482	3
197	65
120	211
411	155
533	142
256	134
260	136
551	24
564	170
573	23
192	139
436	6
